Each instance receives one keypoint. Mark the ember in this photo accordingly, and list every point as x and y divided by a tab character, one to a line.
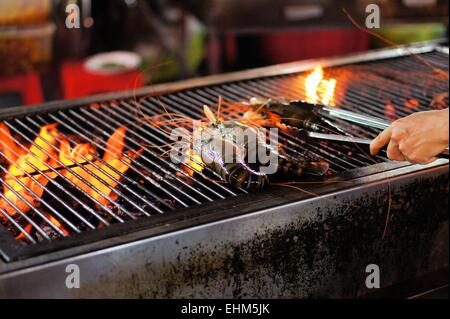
389	111
412	104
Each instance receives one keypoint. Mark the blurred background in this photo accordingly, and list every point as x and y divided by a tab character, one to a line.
61	49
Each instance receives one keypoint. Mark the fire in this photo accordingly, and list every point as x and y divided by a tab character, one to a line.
28	162
55	222
51	149
27	229
192	160
100	175
318	89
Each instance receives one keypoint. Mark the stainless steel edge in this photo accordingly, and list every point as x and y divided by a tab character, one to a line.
131	269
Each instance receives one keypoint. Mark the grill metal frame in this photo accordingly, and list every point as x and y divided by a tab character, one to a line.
149	262
193	216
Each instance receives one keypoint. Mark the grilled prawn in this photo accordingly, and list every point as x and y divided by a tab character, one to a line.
230	148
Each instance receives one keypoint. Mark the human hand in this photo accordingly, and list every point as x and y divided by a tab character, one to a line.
417	138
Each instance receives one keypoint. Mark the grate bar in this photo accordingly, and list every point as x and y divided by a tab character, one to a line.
115	107
31	192
159	177
84	168
92	163
29	220
185	111
153	129
154	172
59	174
313	149
37	197
82	179
391	94
147	107
26	201
82	132
42	173
13	222
136	184
287	144
360	159
161	168
152	184
59	186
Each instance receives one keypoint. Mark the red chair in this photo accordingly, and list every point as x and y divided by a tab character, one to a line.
27	85
78	82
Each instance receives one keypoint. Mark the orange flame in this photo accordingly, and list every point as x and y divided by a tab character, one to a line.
99	174
26	162
318	89
43	154
27	228
55	222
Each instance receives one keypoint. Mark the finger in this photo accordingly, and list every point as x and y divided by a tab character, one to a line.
418	155
380	141
393	152
414	160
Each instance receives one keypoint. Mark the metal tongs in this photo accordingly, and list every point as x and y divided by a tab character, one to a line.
365	120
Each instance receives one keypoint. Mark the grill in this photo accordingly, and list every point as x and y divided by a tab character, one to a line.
117	191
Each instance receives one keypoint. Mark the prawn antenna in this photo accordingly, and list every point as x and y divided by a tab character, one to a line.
209	114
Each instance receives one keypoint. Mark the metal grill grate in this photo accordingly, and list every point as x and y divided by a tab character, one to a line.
152	184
